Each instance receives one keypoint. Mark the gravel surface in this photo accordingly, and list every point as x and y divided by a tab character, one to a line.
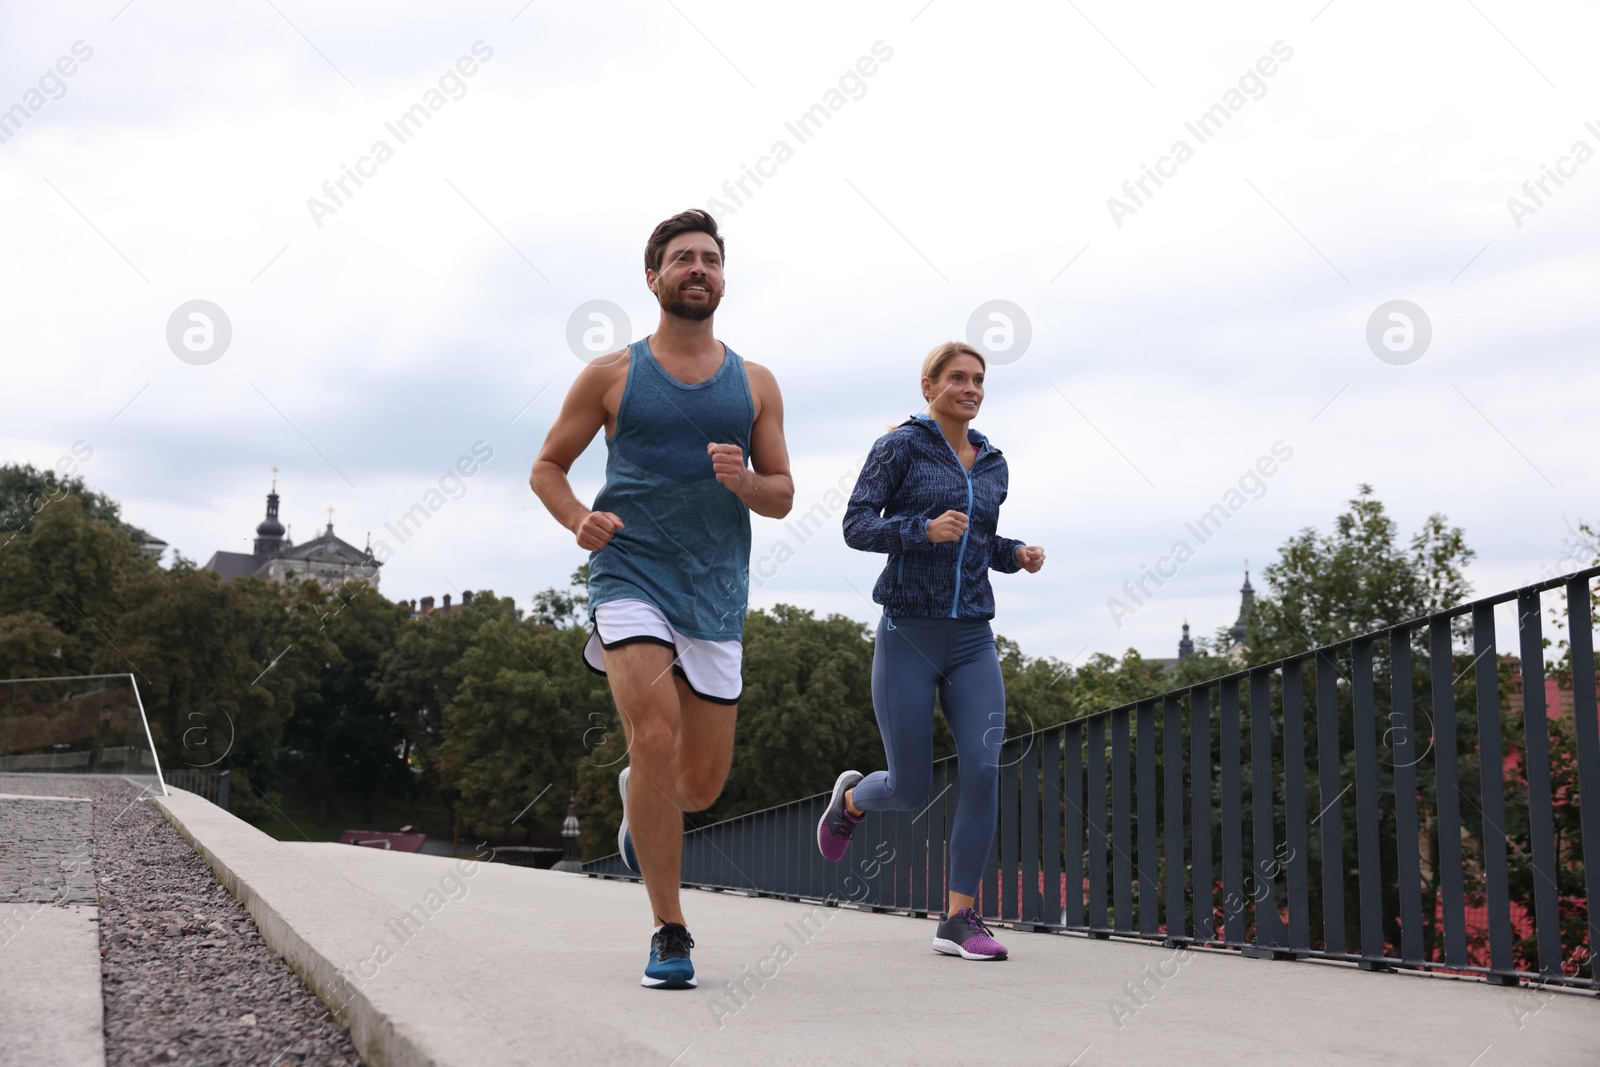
185	976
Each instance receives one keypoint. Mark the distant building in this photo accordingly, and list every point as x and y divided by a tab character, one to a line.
427	606
328	559
1236	650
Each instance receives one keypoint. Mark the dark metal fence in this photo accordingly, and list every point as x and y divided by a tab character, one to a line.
213	785
1222	815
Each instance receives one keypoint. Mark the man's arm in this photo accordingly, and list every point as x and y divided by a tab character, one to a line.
768	488
583	414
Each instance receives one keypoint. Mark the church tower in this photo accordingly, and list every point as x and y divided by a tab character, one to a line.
269	534
1247	607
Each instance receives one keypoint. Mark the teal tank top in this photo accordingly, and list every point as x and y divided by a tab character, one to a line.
685	541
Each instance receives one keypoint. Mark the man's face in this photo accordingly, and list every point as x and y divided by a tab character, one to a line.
689	283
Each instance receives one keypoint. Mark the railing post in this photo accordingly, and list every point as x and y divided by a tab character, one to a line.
1233	900
1174	868
1072	829
1148	821
1121	823
1586	724
1408	862
1491	772
222	791
1452	897
1370	878
1269	940
1099	920
1330	773
1297	859
1536	765
1202	878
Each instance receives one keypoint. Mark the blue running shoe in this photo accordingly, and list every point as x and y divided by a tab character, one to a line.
625	839
669	966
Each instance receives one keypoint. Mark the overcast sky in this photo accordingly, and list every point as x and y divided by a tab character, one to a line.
1359	153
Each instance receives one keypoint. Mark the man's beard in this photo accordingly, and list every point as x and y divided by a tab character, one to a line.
693	312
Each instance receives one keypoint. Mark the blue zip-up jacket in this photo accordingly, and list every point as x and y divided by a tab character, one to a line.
913	476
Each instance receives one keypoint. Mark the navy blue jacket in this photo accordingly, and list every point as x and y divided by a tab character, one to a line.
912	476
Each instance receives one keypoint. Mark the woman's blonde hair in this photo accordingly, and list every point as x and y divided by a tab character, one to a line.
940	357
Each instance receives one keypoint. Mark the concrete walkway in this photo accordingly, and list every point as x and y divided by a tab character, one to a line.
50	1006
434	961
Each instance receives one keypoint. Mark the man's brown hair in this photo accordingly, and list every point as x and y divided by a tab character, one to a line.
692	221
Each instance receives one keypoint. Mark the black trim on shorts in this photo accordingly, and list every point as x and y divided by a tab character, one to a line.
649	639
676	669
724	701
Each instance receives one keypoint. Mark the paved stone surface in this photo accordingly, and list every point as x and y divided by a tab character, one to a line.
44	851
440	961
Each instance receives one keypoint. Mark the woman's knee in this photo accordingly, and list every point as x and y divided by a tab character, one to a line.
905	794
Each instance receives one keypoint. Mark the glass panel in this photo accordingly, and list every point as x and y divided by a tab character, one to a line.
91	724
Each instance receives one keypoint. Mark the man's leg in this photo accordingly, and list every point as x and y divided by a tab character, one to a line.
705	748
679	751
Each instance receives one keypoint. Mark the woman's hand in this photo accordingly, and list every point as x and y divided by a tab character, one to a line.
947	527
1030	558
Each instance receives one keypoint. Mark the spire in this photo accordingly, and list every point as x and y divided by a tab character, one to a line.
1247	606
1185	646
269	533
330	519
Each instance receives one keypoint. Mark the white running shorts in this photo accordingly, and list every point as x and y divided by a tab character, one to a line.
712	668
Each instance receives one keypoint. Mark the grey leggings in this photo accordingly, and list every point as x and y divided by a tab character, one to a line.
914	658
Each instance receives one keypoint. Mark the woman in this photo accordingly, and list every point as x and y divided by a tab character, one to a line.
930	497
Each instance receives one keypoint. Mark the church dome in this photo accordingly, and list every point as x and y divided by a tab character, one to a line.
270	527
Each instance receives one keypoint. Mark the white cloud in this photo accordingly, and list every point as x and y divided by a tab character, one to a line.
975	165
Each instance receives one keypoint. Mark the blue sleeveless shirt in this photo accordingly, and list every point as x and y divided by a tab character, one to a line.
685	541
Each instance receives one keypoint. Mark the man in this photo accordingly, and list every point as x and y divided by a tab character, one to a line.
669	543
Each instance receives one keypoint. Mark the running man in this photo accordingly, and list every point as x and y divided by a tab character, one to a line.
669	552
930	498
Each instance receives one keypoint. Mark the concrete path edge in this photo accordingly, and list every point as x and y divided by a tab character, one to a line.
231	847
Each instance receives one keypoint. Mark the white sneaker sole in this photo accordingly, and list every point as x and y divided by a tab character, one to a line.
622	831
950	948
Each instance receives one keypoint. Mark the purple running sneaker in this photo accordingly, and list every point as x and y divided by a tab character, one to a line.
963	934
837	825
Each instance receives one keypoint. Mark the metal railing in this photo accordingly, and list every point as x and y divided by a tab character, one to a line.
1467	851
212	785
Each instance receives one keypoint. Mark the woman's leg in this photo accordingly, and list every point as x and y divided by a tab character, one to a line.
905	673
973	697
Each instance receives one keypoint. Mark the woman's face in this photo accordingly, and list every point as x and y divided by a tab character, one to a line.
958	392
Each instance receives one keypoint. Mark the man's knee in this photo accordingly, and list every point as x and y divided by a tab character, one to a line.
655	739
699	792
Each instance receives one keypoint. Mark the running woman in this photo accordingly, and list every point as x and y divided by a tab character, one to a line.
669	552
930	497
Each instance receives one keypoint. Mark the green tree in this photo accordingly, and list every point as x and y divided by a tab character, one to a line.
25	491
1355	579
513	732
